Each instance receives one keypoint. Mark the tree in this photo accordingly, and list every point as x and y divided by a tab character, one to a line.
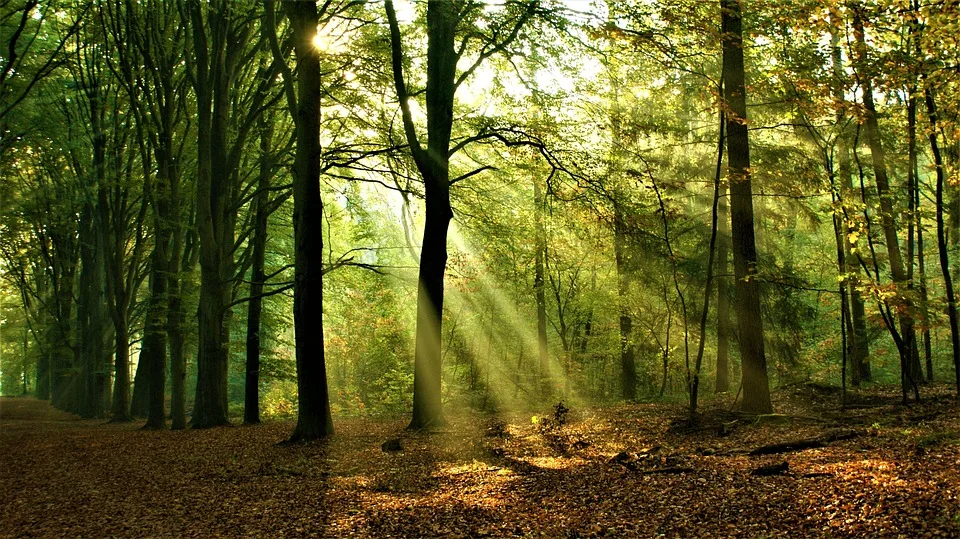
230	97
313	415
905	339
433	164
756	388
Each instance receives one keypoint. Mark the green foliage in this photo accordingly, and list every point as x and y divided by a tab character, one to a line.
278	399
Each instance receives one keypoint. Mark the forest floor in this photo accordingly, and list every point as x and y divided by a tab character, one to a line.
877	469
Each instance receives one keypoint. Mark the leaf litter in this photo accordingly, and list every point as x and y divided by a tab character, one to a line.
879	470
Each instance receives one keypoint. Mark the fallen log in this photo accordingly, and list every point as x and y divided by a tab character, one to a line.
809	443
786	447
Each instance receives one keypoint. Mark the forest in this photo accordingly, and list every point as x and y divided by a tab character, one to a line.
479	268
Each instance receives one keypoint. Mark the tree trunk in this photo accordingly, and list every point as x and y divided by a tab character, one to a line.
942	237
90	311
119	292
155	344
538	288
756	387
628	368
916	370
905	341
251	402
723	292
916	219
434	167
858	350
694	384
178	361
214	73
313	418
61	335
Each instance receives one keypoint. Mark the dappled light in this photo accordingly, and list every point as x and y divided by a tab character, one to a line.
616	471
479	268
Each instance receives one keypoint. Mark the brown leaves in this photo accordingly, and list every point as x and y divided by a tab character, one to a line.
615	472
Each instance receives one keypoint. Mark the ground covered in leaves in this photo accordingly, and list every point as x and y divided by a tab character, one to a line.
876	469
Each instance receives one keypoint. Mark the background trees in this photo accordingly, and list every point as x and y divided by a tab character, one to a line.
501	204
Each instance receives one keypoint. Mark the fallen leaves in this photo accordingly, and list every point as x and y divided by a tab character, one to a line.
618	471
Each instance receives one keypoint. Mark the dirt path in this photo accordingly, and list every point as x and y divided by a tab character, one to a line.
62	476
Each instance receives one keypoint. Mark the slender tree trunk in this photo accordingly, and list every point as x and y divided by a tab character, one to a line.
162	261
906	341
140	399
942	237
538	288
61	337
251	403
723	292
178	363
708	286
313	418
628	368
756	387
924	297
916	218
916	370
857	346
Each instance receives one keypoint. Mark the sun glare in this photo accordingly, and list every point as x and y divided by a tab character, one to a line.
323	41
491	301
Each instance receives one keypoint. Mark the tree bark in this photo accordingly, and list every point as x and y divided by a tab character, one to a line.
90	311
434	167
756	387
942	237
538	288
215	70
723	292
858	350
906	339
251	402
628	367
154	355
313	418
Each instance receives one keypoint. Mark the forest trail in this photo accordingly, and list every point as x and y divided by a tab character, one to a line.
624	471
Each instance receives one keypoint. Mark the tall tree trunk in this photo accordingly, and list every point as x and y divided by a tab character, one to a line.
756	387
906	339
213	80
62	335
90	311
628	367
251	402
154	354
140	400
313	418
858	351
434	167
942	237
694	384
916	370
538	288
723	292
916	218
175	329
924	295
162	261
